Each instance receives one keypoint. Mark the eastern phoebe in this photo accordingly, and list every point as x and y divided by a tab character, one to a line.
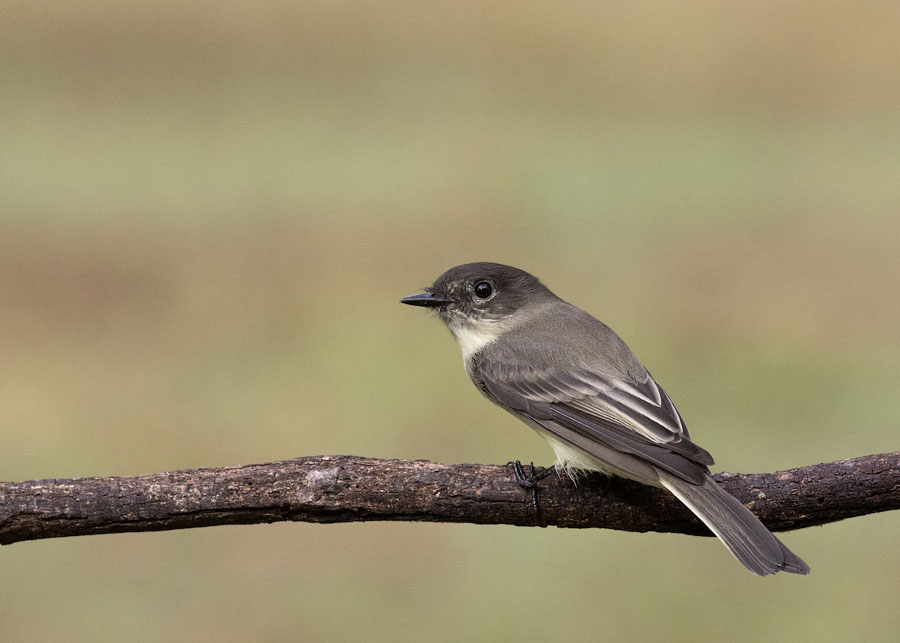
572	379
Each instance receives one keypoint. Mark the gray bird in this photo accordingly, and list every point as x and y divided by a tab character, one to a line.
571	378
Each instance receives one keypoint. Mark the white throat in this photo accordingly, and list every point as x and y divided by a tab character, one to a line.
473	337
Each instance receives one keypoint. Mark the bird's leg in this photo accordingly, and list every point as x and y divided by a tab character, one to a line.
529	482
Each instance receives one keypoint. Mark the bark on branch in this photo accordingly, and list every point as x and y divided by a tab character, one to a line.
346	488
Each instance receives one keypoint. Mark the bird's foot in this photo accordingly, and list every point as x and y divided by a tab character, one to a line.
529	481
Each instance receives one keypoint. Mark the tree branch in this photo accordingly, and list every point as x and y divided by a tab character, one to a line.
346	488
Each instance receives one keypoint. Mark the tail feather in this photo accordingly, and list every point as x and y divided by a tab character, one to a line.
741	532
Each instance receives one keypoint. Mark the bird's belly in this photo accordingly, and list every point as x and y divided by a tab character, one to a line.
571	460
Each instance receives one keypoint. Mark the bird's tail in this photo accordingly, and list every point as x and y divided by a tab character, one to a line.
742	532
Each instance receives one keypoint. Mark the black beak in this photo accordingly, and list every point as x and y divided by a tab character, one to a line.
427	299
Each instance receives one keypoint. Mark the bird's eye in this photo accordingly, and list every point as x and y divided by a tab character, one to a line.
483	290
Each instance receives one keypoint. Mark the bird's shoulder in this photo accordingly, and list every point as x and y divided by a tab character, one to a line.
561	337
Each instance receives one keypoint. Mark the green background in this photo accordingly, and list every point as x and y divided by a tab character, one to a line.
209	210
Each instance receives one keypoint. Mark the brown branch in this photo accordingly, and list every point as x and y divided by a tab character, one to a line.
347	488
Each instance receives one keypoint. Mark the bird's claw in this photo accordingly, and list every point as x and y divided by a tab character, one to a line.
529	481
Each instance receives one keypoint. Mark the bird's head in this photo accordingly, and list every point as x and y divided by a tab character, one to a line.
479	300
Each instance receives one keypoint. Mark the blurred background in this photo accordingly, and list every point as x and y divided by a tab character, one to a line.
209	211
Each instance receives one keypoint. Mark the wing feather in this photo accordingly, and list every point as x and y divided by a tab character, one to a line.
631	417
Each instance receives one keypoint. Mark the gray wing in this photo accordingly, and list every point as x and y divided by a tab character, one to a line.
599	413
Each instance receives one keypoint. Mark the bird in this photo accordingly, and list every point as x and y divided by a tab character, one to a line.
570	377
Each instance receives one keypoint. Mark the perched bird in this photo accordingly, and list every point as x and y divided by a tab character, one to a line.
570	377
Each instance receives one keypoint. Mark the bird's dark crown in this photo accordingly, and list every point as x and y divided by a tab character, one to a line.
510	289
